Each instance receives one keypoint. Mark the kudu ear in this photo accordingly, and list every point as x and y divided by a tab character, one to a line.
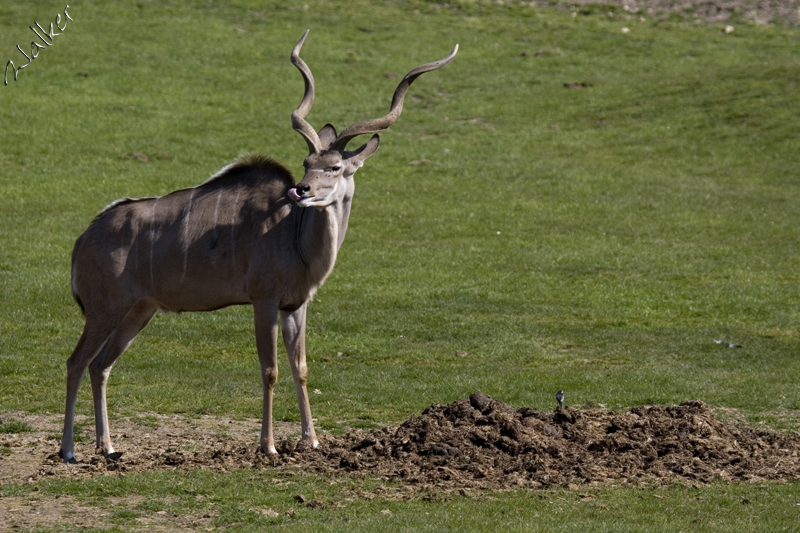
365	151
327	135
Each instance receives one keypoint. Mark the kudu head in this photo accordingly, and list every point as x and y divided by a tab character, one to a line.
329	167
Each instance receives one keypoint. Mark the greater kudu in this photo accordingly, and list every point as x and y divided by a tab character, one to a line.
248	235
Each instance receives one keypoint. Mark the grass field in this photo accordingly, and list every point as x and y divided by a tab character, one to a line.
596	239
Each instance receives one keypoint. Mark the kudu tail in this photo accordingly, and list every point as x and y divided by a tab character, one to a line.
72	278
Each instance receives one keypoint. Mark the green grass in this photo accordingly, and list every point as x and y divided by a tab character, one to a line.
14	426
596	240
251	501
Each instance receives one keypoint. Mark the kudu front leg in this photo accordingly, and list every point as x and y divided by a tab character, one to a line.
293	326
266	321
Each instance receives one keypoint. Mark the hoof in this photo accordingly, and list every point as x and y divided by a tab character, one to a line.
114	456
68	458
306	444
269	451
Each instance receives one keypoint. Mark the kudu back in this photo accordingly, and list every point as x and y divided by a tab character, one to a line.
248	235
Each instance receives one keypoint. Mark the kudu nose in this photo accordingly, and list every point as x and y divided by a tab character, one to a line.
302	189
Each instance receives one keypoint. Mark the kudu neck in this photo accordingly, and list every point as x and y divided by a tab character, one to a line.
322	231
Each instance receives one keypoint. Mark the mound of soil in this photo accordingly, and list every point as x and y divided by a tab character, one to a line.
474	443
483	443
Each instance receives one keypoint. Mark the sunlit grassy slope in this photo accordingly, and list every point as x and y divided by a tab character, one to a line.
596	239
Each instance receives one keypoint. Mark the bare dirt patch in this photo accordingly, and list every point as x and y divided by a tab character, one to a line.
148	441
473	443
483	443
468	446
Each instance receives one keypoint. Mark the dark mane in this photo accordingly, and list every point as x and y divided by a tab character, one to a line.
257	162
244	163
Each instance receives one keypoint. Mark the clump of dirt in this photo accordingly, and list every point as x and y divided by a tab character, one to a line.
473	443
483	443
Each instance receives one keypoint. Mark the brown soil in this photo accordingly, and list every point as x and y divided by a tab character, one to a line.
485	444
469	446
474	443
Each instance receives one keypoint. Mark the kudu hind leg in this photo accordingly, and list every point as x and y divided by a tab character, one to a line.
99	370
94	337
293	326
266	322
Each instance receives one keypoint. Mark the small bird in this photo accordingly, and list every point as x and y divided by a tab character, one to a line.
560	398
728	344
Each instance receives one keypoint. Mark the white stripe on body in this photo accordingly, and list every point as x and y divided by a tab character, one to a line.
233	227
153	244
186	235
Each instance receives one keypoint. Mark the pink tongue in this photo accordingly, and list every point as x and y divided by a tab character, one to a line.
293	194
